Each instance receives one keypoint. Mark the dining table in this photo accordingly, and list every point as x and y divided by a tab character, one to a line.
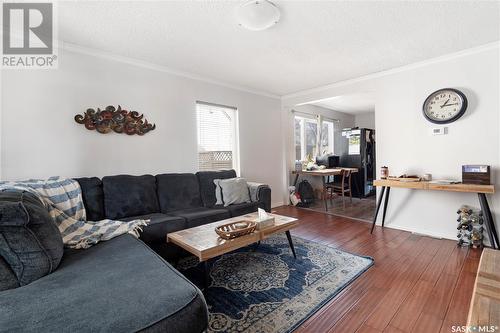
323	173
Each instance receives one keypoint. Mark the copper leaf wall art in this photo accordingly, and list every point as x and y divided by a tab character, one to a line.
117	120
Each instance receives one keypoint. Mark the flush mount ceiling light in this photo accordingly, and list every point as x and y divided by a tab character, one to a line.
257	15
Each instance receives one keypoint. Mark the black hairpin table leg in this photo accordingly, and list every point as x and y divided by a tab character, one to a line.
488	218
379	203
386	202
290	242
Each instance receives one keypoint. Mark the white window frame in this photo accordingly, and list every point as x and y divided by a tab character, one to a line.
331	135
317	120
235	133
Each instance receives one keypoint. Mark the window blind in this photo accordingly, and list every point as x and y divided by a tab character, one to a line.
216	136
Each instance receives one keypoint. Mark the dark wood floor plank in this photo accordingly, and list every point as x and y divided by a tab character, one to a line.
367	329
406	316
376	276
381	278
459	304
353	319
427	324
418	284
436	267
391	329
403	284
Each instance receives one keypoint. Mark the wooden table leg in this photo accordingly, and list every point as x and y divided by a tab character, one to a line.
290	242
324	193
386	202
379	203
488	218
256	246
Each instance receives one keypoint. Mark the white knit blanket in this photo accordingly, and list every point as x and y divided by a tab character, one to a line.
64	202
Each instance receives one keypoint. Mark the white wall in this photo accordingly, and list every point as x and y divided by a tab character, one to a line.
405	145
39	137
365	120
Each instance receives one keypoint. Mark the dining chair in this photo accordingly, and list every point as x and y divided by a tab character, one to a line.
343	186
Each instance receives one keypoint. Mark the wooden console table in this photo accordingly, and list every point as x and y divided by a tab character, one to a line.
322	173
481	191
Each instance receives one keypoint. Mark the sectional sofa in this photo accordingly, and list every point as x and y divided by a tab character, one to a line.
172	202
124	284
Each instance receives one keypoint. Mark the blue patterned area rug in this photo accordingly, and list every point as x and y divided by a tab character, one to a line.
264	289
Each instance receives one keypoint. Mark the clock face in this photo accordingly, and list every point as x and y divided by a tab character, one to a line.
445	106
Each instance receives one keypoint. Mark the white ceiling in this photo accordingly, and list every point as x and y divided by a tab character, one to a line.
315	43
353	104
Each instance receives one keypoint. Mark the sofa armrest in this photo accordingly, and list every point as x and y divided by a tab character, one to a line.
261	193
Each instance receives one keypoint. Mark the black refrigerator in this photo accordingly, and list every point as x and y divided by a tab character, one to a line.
358	151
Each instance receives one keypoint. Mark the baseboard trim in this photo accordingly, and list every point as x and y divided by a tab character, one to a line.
276	204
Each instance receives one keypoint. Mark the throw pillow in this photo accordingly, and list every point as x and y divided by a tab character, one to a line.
218	192
30	242
234	191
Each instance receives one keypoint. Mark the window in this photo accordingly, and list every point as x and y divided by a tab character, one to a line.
354	142
306	137
217	136
326	137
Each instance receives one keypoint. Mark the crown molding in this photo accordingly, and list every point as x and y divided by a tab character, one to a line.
152	66
446	57
155	67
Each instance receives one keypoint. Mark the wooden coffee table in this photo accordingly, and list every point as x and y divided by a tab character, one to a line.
204	243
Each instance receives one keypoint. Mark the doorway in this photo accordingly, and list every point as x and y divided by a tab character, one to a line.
342	127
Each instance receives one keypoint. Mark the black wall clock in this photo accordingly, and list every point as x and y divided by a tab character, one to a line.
445	106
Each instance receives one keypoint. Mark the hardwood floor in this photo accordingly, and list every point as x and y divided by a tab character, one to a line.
360	209
418	283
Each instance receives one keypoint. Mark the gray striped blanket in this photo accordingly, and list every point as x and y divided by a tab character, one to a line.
64	202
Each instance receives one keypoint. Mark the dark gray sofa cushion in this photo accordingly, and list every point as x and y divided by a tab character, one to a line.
207	186
178	191
265	198
199	216
242	208
93	197
30	242
159	226
8	279
126	195
115	286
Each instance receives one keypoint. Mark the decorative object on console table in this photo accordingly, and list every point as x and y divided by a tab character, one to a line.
117	120
405	178
476	174
384	172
